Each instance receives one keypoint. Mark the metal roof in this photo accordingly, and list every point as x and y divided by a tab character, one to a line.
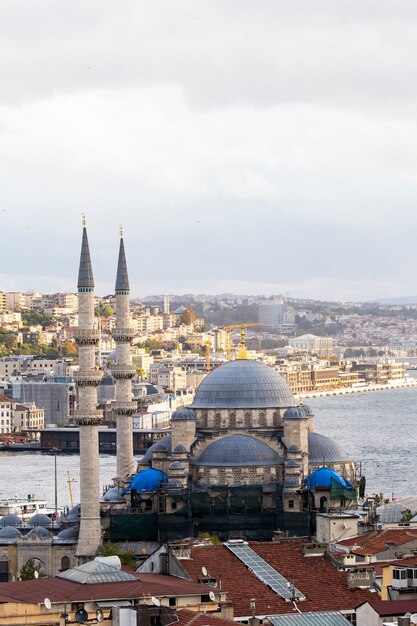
95	572
243	384
321	449
122	278
327	618
239	451
85	272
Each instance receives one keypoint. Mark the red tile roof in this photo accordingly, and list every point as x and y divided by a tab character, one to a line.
323	585
62	590
375	542
392	607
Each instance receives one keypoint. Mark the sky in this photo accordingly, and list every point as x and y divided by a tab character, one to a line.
249	147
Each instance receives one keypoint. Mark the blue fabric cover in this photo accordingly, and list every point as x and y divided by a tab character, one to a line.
147	480
325	477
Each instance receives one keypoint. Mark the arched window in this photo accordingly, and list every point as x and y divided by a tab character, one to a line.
232	420
247	420
262	419
204	418
4	569
65	563
275	418
217	419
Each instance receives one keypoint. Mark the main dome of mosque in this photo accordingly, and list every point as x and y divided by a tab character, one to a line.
243	384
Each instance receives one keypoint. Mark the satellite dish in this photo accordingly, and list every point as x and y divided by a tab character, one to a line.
204	571
81	616
212	596
36	573
155	601
48	604
99	615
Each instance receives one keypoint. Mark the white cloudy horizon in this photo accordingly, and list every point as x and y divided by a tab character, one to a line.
248	148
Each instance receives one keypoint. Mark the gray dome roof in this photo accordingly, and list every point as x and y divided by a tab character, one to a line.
307	410
291	463
73	514
293	448
40	532
9	532
163	444
114	494
175	465
10	520
291	481
238	451
243	384
294	413
68	535
183	414
40	519
180	449
321	450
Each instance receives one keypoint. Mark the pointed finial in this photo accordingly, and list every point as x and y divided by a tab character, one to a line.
242	352
84	221
121	231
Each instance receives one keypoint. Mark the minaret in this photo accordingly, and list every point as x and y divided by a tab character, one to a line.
123	371
87	416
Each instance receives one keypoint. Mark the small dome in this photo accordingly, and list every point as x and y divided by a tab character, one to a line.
39	532
293	448
307	410
325	477
243	384
321	450
9	532
147	480
10	520
238	451
167	443
112	495
73	514
40	519
180	449
68	535
175	465
183	414
294	413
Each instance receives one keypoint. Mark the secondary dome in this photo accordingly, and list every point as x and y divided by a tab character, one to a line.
243	384
147	480
10	520
40	519
321	450
238	451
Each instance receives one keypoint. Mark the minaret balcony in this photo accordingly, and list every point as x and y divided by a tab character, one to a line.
88	378
124	408
92	417
85	337
124	335
120	372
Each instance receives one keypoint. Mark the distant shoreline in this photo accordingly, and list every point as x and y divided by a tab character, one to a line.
341	391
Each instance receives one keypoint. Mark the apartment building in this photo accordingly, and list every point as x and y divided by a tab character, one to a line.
322	346
2	301
6	415
28	416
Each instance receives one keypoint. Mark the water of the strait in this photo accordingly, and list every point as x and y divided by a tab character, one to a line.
378	429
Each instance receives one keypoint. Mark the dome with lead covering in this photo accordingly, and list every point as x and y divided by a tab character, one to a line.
10	520
321	450
294	413
67	536
40	519
39	532
183	414
163	444
243	384
9	532
238	451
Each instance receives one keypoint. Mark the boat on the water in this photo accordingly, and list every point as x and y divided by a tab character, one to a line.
25	508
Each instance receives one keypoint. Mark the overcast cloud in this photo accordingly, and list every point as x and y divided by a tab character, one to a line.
254	147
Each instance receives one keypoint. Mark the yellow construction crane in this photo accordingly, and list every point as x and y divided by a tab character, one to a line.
242	352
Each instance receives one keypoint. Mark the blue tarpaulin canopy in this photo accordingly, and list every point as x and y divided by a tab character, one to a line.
147	480
325	477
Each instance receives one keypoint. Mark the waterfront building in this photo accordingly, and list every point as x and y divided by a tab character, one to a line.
28	416
6	415
322	346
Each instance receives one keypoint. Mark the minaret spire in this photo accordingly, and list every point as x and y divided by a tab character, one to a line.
87	416
123	371
85	272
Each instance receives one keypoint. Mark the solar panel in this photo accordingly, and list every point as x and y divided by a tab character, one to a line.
265	572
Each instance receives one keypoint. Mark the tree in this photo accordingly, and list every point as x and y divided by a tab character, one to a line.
188	317
407	515
28	570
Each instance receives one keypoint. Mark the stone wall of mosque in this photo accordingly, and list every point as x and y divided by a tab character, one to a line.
236	476
239	418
